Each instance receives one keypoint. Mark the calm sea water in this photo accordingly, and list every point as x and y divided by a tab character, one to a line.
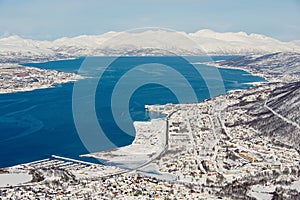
37	124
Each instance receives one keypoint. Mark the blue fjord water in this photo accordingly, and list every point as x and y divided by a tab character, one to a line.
37	124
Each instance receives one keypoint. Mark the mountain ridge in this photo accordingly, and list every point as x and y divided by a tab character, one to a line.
202	42
279	66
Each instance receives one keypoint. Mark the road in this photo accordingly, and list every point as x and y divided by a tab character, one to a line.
165	149
280	116
166	146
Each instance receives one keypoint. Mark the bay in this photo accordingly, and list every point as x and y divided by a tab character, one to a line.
37	124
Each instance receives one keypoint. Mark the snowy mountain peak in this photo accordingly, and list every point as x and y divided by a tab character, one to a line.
11	38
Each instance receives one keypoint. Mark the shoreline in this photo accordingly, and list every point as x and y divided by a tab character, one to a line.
39	87
17	78
216	172
68	81
149	140
77	77
161	108
165	117
267	78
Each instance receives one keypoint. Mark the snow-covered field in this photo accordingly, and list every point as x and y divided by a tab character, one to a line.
149	141
14	179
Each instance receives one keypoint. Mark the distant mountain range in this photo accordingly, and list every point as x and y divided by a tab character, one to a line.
148	42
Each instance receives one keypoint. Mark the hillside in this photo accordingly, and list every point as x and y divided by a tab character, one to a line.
279	117
273	111
282	66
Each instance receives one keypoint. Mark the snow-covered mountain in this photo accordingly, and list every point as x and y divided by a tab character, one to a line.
240	43
296	42
278	117
147	42
15	48
284	66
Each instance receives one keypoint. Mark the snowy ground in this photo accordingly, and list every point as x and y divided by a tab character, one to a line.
149	142
14	179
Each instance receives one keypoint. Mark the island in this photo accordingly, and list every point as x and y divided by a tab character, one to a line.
17	78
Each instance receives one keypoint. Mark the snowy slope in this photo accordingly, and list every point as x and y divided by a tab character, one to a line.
284	66
15	47
295	42
240	43
278	117
148	42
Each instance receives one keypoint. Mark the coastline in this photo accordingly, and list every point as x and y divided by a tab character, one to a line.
162	108
200	154
29	89
149	141
265	76
103	157
76	77
17	78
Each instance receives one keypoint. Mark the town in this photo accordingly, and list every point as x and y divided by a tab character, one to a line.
209	151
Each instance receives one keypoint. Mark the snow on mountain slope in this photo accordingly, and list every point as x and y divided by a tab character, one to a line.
83	40
159	40
295	42
278	117
147	42
81	45
15	49
16	43
240	43
284	66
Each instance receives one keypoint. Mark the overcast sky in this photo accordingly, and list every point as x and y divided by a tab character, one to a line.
52	19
